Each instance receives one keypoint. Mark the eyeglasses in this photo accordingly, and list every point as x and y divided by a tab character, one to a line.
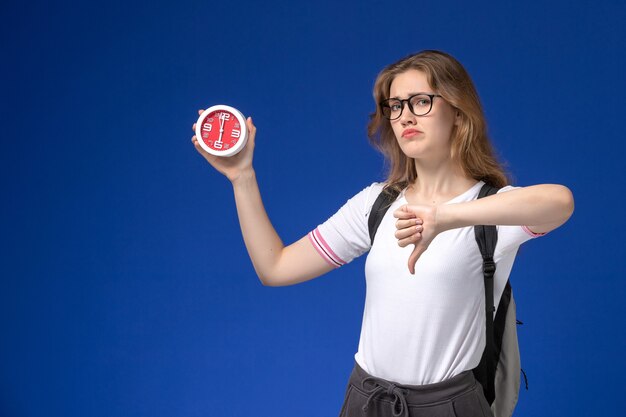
420	105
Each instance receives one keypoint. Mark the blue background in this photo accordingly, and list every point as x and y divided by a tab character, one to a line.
126	289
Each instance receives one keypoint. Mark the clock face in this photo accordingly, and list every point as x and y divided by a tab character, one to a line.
221	130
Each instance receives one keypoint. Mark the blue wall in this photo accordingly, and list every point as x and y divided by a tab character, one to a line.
117	298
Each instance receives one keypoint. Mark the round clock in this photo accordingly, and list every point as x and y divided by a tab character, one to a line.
221	130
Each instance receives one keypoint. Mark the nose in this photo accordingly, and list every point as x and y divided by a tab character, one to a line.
407	116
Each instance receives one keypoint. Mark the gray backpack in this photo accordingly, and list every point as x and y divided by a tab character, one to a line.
499	368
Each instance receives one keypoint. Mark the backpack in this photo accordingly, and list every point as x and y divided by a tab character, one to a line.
499	369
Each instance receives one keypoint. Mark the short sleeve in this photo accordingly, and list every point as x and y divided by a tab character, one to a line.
511	237
345	236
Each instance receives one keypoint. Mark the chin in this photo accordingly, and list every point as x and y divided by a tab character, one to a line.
413	150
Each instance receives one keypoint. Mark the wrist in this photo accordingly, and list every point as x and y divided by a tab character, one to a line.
447	217
243	178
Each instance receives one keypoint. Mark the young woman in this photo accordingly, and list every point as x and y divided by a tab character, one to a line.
423	324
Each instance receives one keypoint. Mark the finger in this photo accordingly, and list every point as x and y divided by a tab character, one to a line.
409	240
403	224
407	232
251	126
406	212
193	127
415	255
197	145
200	111
201	150
403	213
251	132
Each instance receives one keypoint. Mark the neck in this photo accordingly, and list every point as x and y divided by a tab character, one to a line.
438	181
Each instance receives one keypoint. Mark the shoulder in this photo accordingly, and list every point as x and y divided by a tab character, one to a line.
507	188
360	204
375	188
365	198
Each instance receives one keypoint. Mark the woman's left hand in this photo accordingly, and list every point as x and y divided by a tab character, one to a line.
416	225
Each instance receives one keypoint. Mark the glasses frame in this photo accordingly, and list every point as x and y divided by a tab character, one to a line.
408	102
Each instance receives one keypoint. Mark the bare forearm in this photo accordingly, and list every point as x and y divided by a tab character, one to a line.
263	243
545	206
541	208
274	263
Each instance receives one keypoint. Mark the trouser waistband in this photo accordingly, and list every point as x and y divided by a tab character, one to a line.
414	394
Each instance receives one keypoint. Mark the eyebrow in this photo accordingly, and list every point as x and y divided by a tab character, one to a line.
411	95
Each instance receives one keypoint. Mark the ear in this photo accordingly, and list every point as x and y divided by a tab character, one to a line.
457	118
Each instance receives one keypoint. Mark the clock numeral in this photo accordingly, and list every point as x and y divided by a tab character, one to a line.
207	127
225	116
237	125
210	120
235	133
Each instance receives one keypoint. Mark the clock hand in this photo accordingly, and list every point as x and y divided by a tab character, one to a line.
219	142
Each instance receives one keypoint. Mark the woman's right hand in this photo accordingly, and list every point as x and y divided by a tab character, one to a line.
234	166
417	225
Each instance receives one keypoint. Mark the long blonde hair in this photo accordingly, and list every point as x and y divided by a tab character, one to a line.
471	147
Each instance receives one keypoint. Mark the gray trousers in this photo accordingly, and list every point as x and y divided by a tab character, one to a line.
368	396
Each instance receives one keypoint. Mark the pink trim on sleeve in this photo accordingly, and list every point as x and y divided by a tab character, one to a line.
324	250
531	233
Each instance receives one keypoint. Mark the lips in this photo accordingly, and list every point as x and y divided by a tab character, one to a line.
410	133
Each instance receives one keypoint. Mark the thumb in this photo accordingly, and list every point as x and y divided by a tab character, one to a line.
415	255
251	129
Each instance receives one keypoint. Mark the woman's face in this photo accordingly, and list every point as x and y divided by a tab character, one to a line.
422	137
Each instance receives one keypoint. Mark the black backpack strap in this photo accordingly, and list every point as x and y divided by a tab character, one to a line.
384	200
487	237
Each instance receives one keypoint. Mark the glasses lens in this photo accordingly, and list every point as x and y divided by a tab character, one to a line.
392	108
421	104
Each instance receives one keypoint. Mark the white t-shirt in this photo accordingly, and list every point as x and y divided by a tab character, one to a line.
423	328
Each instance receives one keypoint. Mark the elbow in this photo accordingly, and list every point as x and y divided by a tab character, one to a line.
271	276
265	279
267	283
562	202
266	275
280	280
269	280
566	199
